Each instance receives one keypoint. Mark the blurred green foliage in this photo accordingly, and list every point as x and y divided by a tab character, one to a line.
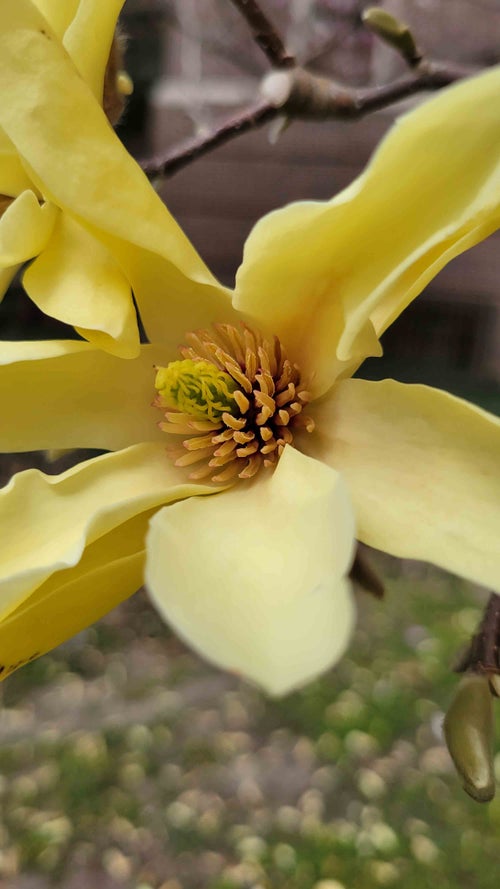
127	762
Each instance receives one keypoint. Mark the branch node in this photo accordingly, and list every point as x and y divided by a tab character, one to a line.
303	95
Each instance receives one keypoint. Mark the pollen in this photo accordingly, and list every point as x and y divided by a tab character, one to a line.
235	400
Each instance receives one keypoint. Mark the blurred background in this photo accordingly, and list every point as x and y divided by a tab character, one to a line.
127	763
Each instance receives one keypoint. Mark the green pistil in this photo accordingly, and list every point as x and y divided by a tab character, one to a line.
196	388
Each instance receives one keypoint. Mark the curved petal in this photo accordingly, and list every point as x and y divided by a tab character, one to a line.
110	570
255	578
68	394
48	521
329	276
76	280
172	298
13	176
89	37
25	229
423	470
57	14
102	186
6	277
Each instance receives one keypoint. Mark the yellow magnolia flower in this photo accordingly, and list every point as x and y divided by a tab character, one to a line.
70	194
250	525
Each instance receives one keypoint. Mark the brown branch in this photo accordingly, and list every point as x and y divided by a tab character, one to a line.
483	652
264	33
181	155
299	94
364	575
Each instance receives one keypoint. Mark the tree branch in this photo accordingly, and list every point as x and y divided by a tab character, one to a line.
264	33
184	153
364	575
483	652
301	94
298	93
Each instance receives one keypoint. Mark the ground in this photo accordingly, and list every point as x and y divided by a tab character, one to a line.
128	763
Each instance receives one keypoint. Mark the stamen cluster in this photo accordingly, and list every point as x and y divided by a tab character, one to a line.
269	401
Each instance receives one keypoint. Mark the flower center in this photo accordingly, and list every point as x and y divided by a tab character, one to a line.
236	398
196	388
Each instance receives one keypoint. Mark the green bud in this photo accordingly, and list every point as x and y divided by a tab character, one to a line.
397	34
468	729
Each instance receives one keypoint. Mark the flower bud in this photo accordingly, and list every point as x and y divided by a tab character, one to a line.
468	730
392	31
117	83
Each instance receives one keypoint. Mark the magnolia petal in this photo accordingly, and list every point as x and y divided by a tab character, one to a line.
102	185
68	394
57	14
423	471
171	298
122	348
327	277
48	521
25	229
89	37
6	276
13	176
110	570
76	280
255	578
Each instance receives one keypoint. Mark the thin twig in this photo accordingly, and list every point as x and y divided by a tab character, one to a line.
218	47
264	33
363	573
306	96
181	155
483	652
